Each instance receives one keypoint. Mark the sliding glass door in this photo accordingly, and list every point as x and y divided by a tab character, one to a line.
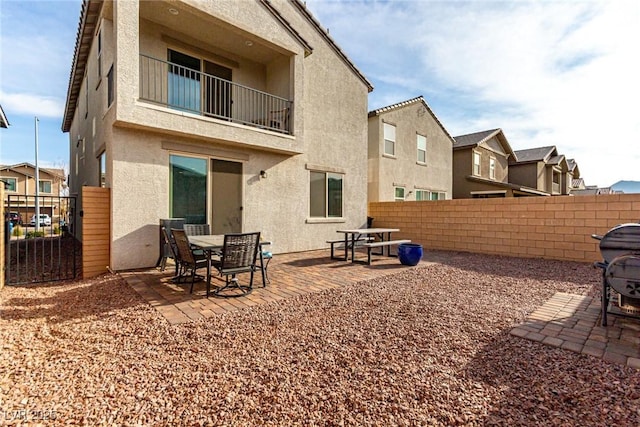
188	189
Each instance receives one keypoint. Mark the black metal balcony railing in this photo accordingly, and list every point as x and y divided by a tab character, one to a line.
185	89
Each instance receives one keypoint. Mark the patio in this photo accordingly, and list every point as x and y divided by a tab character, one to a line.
328	342
567	321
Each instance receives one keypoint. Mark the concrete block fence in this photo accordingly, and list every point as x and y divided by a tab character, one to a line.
558	227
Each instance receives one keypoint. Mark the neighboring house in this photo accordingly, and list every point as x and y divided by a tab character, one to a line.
572	176
594	190
4	123
409	154
20	189
541	168
481	167
244	115
577	184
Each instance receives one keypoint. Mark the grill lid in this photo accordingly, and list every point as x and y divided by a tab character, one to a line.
622	239
623	275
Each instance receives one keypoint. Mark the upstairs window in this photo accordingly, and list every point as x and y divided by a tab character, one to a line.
10	184
389	139
476	163
44	186
422	148
492	168
110	88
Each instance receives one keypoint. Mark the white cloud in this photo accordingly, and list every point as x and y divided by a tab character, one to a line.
547	73
32	105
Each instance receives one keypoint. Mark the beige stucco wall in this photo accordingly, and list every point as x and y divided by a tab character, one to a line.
386	172
330	103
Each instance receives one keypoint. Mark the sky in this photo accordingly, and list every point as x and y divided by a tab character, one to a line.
563	73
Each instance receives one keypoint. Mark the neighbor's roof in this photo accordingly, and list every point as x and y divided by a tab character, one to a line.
536	154
477	138
90	13
4	123
417	99
16	168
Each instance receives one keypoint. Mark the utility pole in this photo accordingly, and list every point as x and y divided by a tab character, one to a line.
37	180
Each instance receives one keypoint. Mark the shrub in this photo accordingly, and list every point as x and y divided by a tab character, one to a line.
56	230
17	231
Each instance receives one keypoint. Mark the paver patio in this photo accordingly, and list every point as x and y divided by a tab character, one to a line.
567	321
291	274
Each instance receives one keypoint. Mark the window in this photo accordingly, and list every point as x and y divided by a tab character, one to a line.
422	148
110	86
99	54
44	186
422	195
184	81
86	97
188	188
325	194
492	168
438	195
476	163
10	184
389	139
102	169
399	194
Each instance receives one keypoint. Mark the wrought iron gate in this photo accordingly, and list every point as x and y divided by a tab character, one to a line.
41	249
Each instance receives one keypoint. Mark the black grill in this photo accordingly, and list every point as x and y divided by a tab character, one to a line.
620	250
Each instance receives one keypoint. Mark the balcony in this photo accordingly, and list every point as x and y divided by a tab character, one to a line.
187	89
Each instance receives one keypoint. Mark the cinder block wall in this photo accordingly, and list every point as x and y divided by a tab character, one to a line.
558	227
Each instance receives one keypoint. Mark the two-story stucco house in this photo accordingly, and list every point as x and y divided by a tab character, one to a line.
20	189
481	167
244	115
541	168
409	153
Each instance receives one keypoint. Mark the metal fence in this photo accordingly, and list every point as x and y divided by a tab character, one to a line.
40	249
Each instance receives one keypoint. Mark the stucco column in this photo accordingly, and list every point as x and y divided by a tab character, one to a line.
126	15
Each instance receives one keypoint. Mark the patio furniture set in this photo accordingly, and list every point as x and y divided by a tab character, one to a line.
194	247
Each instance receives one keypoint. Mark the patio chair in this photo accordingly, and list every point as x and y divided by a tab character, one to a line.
189	260
197	229
239	254
172	251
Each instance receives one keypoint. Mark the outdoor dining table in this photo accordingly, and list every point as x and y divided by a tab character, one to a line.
384	234
211	243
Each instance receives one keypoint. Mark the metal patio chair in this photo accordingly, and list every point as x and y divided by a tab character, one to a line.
189	260
239	254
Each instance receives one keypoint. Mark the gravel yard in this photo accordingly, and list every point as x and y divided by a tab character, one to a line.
428	346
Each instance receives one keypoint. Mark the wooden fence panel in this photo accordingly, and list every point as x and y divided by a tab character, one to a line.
96	231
